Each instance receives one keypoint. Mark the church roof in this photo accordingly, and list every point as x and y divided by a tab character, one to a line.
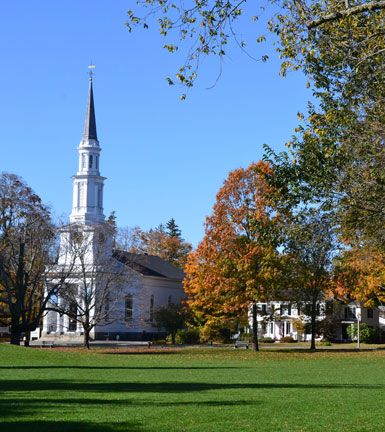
89	131
149	265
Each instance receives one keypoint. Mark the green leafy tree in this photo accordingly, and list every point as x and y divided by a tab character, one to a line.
310	249
170	318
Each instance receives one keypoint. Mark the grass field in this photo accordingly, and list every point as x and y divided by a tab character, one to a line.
190	390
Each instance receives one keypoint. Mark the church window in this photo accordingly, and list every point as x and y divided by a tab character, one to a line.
72	314
83	161
97	162
128	308
78	196
90	162
100	197
82	195
152	308
107	307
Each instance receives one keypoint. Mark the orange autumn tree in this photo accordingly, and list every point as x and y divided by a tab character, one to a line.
360	275
232	268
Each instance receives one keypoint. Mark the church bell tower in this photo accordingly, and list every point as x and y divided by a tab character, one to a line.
87	207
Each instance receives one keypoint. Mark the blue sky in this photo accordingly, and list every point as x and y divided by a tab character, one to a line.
162	157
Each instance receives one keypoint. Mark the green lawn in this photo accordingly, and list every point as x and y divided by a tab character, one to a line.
190	390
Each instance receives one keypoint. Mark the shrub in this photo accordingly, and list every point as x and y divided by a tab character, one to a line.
325	343
266	340
187	336
367	333
159	342
287	339
217	330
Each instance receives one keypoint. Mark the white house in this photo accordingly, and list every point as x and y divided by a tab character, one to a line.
279	319
148	283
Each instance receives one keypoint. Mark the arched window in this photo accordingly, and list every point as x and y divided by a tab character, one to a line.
90	162
84	158
97	162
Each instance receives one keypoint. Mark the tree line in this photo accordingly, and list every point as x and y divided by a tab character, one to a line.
307	222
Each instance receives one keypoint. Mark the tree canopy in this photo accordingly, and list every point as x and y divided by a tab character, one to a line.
232	266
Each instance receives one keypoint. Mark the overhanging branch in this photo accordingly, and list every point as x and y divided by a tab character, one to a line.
366	7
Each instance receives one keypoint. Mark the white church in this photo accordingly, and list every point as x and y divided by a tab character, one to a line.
147	282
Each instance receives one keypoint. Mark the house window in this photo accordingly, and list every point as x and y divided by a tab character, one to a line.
282	309
90	162
298	308
288	328
271	328
264	311
128	308
369	313
152	308
289	309
350	313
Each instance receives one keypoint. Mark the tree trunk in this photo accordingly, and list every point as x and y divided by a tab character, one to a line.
313	324
15	335
87	338
255	328
27	338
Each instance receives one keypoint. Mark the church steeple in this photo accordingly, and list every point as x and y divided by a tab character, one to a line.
90	122
88	185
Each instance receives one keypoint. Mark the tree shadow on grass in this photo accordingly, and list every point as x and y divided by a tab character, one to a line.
69	426
162	387
124	367
20	410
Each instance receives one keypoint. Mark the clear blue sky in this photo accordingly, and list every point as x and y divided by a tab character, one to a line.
163	158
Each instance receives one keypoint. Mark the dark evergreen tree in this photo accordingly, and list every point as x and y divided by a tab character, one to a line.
172	229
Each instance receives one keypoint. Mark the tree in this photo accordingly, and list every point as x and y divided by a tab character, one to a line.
27	247
360	275
310	249
172	229
233	265
166	243
307	30
93	287
170	318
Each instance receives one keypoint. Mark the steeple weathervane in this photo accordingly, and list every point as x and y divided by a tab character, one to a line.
91	70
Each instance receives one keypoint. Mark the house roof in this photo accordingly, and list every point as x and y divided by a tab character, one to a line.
149	265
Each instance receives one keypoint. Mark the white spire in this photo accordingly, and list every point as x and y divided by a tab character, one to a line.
87	207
